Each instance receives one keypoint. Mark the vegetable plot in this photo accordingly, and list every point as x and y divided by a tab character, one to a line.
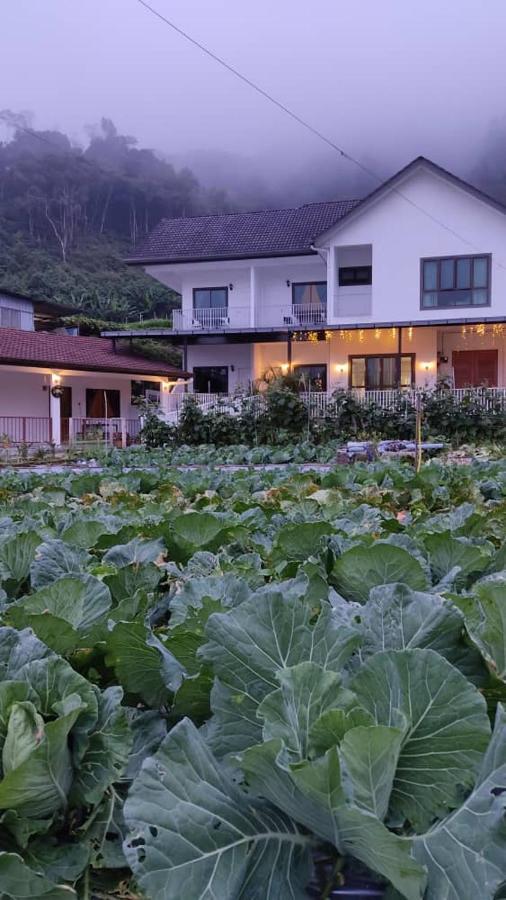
211	681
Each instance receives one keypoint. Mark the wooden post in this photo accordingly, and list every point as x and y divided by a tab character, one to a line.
123	433
399	357
289	351
418	432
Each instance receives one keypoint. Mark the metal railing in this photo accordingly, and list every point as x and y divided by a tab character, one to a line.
116	432
16	430
319	402
210	319
304	314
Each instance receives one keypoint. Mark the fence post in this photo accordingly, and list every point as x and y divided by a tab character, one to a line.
123	433
418	432
71	431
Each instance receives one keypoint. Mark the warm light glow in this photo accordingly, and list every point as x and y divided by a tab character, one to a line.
427	366
55	379
410	334
284	368
166	386
341	368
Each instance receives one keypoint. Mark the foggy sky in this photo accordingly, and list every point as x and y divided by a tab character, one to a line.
387	79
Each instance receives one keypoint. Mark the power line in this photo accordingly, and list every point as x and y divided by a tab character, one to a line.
293	115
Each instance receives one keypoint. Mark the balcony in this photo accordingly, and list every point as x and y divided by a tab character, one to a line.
215	319
221	319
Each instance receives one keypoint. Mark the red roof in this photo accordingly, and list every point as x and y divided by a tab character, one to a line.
64	351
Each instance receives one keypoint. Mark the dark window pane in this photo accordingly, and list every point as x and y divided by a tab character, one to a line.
480	298
480	272
201	299
463	273
219	297
312	378
446	274
321	291
102	404
429	299
430	275
373	372
301	294
355	275
210	379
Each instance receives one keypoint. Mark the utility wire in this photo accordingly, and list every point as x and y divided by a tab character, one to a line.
315	131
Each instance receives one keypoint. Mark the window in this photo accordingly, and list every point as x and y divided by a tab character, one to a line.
455	281
149	390
311	378
352	275
10	317
102	403
310	294
210	379
309	302
210	298
376	373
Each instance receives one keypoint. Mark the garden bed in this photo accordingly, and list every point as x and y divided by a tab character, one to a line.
253	679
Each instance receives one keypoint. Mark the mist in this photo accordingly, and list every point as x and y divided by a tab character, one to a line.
386	81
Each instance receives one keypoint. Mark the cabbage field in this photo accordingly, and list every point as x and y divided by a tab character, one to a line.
253	685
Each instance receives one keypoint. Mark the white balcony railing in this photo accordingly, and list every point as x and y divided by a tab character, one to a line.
297	315
319	401
211	319
302	314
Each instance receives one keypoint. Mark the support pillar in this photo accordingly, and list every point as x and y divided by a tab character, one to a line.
185	360
399	354
55	412
252	296
289	351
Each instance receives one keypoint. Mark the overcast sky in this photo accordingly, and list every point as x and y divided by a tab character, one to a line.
387	79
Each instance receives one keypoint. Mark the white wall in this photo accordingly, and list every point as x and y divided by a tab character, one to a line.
237	355
274	296
22	393
401	236
334	353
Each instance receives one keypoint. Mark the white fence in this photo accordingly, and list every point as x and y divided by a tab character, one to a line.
318	402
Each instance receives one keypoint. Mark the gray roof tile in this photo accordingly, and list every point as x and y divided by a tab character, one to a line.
271	232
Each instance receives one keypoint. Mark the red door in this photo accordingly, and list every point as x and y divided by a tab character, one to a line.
475	368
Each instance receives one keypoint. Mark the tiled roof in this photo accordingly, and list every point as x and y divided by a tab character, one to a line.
271	232
63	351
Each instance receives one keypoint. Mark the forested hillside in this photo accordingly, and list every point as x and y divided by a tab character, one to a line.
69	214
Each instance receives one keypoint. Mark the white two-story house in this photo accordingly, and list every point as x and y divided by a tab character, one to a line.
398	289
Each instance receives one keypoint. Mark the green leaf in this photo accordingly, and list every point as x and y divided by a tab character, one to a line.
84	533
17	649
200	530
107	750
197	835
301	540
359	569
225	589
288	714
330	728
448	729
465	853
16	555
25	731
249	645
53	560
19	882
370	754
446	552
39	786
312	794
79	600
132	578
136	552
148	730
138	661
485	617
397	618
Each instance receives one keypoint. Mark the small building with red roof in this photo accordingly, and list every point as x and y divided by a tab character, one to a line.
58	387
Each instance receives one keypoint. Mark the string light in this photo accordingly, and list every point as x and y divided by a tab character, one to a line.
410	334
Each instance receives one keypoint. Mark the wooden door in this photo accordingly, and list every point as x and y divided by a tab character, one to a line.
475	368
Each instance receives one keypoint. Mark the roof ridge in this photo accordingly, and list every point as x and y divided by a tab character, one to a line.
257	212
